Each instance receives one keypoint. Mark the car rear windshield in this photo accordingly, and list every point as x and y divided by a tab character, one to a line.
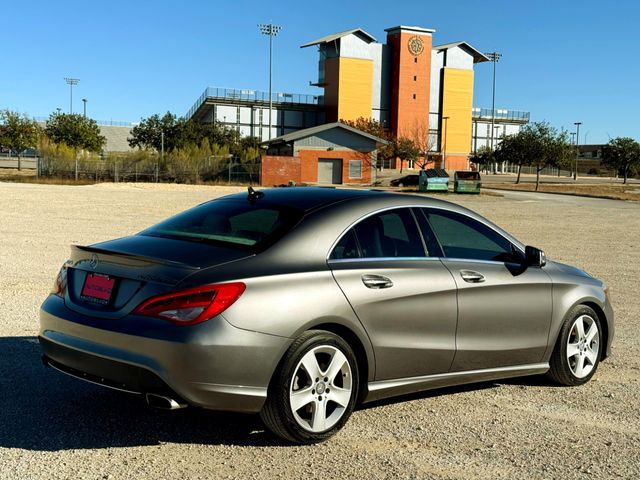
234	223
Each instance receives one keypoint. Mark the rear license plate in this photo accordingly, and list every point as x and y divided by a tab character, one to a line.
98	288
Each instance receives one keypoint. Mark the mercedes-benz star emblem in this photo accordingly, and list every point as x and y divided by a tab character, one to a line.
93	263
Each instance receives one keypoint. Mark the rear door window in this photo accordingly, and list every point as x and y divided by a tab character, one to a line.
390	234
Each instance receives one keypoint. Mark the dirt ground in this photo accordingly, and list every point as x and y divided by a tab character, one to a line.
52	426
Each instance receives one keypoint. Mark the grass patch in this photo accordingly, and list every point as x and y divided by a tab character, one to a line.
614	192
44	180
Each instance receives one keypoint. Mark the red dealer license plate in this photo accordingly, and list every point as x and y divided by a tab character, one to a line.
98	288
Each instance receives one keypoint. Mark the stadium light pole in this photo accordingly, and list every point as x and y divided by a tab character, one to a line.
272	31
575	172
71	82
493	57
84	107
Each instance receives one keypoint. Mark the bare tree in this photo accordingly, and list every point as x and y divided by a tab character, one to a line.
420	136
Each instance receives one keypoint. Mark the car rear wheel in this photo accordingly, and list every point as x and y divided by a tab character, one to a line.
314	391
577	353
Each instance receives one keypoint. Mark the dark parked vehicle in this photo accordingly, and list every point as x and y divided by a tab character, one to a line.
299	303
405	181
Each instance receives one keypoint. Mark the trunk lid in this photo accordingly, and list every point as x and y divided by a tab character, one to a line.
110	279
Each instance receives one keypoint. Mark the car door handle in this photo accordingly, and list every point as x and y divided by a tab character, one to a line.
376	281
470	276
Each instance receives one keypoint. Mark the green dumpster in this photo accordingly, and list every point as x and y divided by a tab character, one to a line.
467	182
433	180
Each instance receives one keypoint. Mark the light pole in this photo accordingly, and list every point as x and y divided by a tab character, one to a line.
573	142
271	30
498	168
444	142
575	172
493	57
84	107
71	82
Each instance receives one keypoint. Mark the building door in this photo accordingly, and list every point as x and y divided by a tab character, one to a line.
330	170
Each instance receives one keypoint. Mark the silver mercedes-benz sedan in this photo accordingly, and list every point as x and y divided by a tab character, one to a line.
300	303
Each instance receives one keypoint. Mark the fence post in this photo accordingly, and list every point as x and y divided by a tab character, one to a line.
76	169
115	171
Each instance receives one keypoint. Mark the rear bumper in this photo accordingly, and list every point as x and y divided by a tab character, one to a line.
213	365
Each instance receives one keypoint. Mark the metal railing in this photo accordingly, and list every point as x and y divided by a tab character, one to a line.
501	114
252	96
102	123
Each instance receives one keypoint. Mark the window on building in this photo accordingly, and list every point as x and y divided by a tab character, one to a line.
415	78
355	168
414	96
415	59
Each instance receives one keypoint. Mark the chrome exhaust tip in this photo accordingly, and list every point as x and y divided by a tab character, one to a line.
165	403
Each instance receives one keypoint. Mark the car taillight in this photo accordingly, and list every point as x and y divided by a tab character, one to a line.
194	305
60	283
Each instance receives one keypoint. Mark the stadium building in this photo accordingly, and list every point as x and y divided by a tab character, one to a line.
413	88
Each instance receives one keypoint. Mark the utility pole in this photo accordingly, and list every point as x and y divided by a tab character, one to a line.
71	82
84	107
272	31
575	172
444	142
162	146
493	57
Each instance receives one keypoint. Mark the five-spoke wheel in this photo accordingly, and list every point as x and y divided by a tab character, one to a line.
314	392
577	352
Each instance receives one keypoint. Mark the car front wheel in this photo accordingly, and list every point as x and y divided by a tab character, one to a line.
314	391
577	352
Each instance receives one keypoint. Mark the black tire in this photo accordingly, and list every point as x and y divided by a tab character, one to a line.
277	413
562	367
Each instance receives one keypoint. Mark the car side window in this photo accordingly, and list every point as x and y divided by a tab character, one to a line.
390	234
347	247
464	237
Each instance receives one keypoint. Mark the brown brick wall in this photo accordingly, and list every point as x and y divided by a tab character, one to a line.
408	113
278	170
309	164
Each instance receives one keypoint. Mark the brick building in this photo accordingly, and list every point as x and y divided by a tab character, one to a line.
333	153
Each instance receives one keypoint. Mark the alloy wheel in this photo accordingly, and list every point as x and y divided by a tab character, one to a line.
583	346
321	388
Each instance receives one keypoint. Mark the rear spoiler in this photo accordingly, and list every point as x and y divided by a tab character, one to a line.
132	256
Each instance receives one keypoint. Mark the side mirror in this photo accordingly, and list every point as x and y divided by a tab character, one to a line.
534	257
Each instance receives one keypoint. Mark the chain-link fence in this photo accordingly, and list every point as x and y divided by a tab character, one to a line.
187	170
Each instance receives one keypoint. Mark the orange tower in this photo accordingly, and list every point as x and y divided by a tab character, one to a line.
410	79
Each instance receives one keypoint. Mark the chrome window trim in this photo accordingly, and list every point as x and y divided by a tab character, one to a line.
471	260
410	206
383	259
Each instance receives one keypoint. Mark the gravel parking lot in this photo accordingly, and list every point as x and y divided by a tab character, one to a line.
52	426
